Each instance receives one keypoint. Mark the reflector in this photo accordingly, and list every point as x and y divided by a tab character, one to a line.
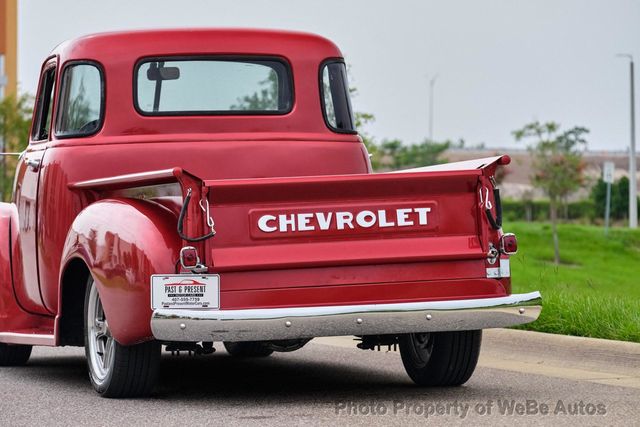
509	244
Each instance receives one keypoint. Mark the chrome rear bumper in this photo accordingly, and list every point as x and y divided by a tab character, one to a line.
370	319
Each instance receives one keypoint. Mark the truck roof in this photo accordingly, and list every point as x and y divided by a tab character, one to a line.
118	53
135	44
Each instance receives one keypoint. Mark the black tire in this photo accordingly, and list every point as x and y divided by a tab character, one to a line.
14	355
247	349
440	358
118	370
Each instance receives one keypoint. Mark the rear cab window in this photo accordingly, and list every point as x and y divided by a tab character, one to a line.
213	85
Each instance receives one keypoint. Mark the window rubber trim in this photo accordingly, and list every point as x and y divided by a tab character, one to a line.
34	137
323	64
103	103
222	57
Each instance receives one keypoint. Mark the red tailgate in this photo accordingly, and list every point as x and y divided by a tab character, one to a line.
285	223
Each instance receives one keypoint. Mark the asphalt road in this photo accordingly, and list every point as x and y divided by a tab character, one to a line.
329	382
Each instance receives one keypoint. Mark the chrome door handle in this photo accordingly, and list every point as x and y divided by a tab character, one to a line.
33	163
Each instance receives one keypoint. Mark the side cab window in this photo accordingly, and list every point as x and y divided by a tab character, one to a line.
44	104
334	96
81	103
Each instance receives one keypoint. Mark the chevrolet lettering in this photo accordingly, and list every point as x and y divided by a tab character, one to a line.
206	189
344	220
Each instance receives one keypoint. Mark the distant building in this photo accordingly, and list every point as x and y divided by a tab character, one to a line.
517	182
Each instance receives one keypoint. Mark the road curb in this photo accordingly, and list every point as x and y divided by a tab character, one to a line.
577	358
546	338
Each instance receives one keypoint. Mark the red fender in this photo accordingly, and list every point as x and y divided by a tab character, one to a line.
123	242
13	318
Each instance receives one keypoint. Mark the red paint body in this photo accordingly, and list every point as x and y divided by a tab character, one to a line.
247	166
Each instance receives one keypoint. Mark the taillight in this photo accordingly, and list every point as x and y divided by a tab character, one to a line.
508	244
189	257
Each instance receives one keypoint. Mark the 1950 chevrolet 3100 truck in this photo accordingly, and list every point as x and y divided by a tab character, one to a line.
187	187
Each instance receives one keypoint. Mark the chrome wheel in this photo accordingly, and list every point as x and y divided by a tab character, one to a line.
101	345
422	348
116	370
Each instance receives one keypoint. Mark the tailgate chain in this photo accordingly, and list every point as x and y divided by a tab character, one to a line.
496	222
206	211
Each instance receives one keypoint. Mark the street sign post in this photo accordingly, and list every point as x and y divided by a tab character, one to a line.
607	176
633	183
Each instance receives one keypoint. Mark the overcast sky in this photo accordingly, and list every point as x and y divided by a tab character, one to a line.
500	63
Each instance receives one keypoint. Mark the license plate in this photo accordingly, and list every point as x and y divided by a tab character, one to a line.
185	291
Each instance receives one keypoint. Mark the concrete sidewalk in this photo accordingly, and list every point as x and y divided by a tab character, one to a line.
559	356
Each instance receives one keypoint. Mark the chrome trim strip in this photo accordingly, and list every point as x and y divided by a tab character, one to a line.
140	179
27	339
454	166
367	319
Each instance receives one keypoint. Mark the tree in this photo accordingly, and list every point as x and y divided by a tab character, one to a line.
392	153
265	99
362	119
599	197
79	111
620	198
557	165
424	153
15	121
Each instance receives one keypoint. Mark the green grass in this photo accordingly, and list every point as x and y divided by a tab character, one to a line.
595	292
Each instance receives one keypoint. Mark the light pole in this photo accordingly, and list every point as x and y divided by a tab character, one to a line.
633	182
432	83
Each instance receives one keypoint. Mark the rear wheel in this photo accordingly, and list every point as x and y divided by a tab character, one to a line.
14	355
248	349
116	370
440	358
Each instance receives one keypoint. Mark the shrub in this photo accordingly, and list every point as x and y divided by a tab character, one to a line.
516	210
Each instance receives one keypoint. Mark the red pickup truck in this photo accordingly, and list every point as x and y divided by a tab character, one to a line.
187	187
